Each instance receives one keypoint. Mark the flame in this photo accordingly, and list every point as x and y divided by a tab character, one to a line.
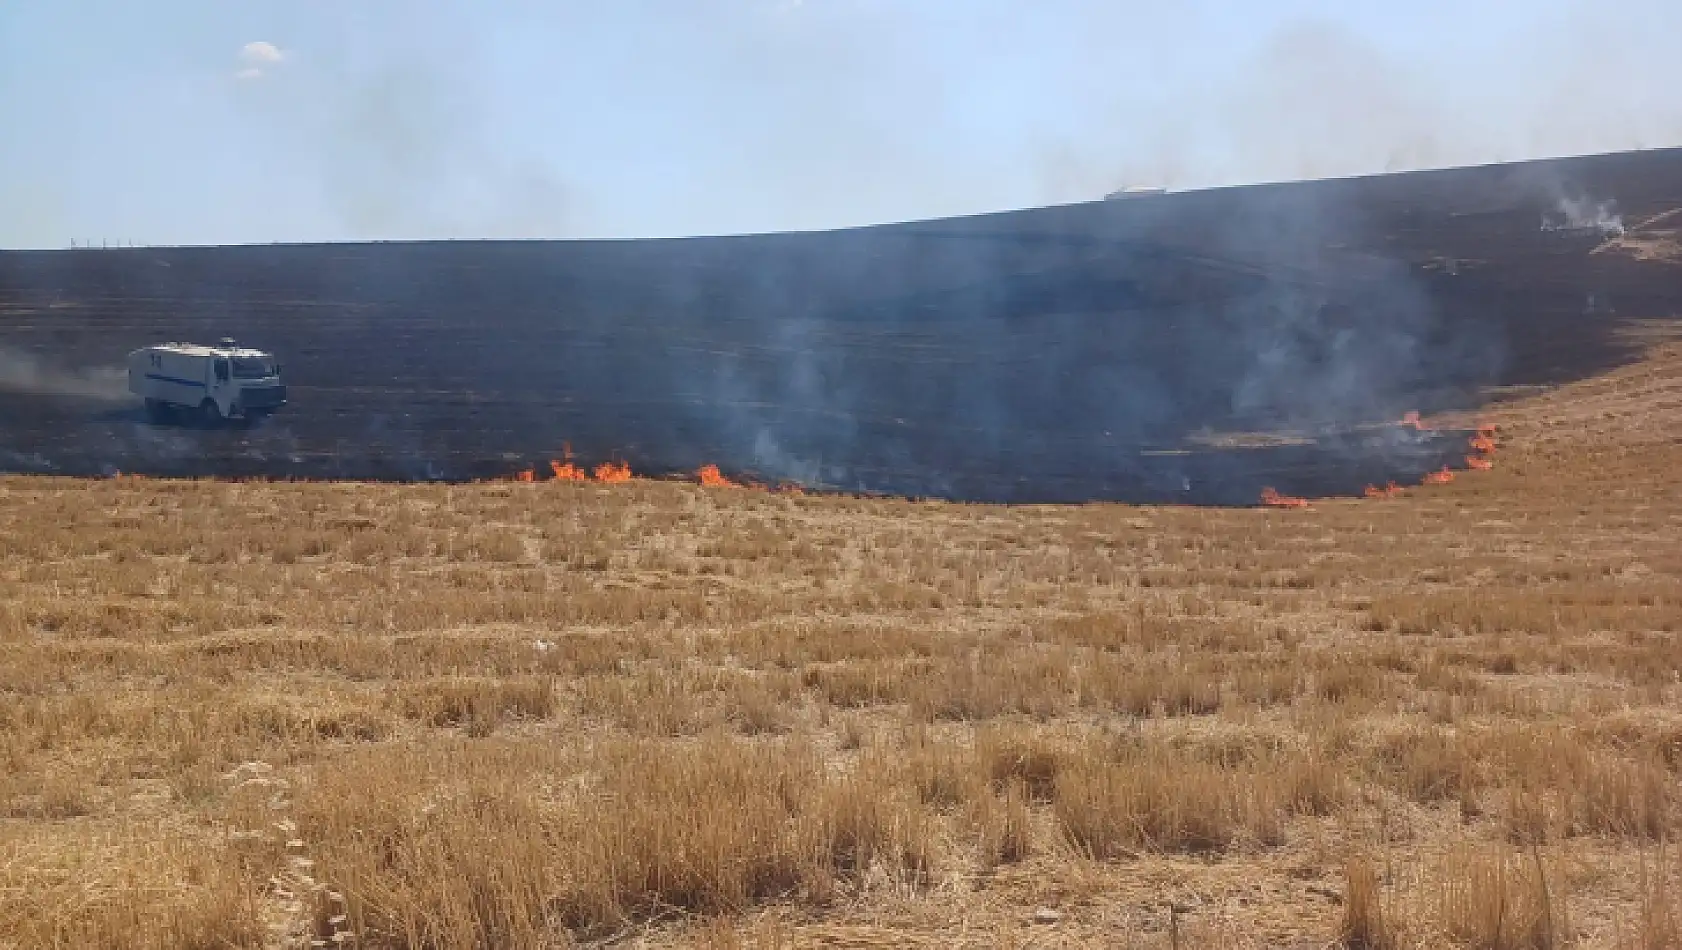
711	477
1273	499
528	475
1388	491
1441	477
1479	463
613	472
1410	420
1482	443
567	472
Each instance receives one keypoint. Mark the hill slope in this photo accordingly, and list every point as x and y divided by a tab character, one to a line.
1086	351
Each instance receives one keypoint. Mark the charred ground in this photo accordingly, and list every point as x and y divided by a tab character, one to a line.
1088	351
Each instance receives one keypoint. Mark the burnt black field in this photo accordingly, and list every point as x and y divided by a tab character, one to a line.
1096	351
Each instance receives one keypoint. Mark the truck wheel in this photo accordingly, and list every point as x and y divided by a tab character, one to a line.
208	413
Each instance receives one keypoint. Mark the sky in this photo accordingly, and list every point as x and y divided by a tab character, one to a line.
209	122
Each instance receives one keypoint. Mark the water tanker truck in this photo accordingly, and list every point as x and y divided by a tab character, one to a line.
209	383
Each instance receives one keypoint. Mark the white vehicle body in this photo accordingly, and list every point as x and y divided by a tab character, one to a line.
216	382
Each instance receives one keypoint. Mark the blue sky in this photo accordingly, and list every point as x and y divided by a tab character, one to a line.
204	121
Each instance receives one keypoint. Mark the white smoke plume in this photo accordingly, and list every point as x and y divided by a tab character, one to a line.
1585	214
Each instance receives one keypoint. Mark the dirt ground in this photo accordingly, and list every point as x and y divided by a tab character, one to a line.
529	715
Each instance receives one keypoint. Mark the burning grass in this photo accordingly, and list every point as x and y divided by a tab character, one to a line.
530	715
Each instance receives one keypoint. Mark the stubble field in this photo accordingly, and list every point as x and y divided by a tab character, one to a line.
529	715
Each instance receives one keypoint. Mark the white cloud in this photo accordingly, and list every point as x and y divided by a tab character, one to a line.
261	53
258	56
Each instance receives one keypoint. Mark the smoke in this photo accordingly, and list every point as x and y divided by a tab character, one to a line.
1062	353
1336	331
1321	98
402	140
32	463
383	120
1580	213
406	152
22	372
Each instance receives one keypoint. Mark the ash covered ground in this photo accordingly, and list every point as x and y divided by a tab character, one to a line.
1100	351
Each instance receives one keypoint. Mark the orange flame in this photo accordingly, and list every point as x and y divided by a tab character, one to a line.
1410	420
613	472
711	477
1442	477
1273	499
1482	443
1388	491
567	472
1479	463
528	475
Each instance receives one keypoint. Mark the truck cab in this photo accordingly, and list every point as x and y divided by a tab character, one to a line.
211	383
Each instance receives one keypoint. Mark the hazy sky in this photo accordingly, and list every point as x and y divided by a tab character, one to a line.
207	121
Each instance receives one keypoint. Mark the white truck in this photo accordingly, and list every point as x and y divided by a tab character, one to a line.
211	383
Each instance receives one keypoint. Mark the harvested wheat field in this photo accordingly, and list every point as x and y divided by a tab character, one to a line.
533	715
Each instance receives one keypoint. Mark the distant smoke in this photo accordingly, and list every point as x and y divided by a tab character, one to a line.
407	147
383	120
26	462
23	373
1585	214
1319	99
406	152
1015	355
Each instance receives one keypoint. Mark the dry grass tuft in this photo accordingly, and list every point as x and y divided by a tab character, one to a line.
711	829
1366	921
478	704
1118	799
1658	923
1494	901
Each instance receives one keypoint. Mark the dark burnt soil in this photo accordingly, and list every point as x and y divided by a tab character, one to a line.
1059	354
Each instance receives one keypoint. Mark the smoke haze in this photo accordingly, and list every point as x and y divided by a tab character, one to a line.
386	120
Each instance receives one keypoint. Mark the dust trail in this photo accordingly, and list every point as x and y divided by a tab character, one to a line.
22	372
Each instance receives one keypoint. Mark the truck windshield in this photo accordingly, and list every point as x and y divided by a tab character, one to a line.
250	367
